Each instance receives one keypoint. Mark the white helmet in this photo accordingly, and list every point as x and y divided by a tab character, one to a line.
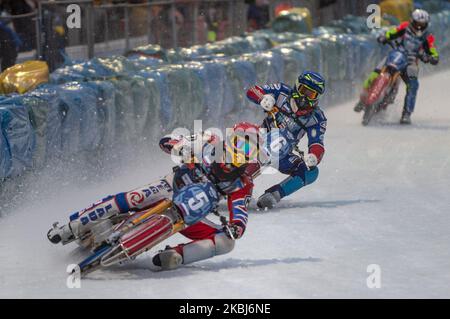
419	21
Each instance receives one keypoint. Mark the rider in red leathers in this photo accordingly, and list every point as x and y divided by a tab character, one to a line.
233	180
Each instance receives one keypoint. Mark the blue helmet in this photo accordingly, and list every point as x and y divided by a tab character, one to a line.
308	88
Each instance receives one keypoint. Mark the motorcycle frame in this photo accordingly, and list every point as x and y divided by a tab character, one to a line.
111	258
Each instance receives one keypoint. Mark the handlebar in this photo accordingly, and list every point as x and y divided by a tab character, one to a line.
421	55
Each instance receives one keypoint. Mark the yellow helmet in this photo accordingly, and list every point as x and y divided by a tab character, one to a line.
242	144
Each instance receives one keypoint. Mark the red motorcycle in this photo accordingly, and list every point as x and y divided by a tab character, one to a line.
384	88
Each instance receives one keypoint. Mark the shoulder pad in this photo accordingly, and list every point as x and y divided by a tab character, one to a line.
403	26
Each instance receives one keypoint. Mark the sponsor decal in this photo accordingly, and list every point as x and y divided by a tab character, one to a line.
275	86
162	186
95	214
165	185
136	198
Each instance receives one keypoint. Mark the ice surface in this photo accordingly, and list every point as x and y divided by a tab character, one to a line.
382	197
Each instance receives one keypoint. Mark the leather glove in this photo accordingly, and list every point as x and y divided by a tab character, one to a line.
234	230
425	58
382	39
167	143
267	102
434	61
310	160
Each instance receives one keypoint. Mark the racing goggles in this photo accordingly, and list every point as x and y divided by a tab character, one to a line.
309	93
420	25
305	97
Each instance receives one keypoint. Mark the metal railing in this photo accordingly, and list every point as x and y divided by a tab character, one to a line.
57	39
29	39
117	28
169	23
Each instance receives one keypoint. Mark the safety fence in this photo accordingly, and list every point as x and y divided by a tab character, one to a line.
107	28
49	33
109	102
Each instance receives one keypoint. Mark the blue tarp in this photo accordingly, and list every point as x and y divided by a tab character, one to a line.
81	129
18	137
46	117
5	156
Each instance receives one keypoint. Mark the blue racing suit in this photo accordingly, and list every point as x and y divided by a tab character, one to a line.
296	123
412	45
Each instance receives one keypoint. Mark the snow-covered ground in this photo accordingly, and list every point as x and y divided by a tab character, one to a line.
382	197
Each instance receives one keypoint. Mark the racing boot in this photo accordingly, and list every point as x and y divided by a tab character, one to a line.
61	234
269	199
168	259
406	118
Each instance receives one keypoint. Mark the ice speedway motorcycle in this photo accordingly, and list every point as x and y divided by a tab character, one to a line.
123	237
383	90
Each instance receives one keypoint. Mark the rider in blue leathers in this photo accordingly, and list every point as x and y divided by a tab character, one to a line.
296	112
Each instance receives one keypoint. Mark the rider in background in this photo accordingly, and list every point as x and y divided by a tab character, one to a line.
413	39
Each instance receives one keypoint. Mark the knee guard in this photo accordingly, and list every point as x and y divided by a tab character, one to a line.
203	249
292	165
224	244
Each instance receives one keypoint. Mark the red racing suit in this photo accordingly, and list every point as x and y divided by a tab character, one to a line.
235	184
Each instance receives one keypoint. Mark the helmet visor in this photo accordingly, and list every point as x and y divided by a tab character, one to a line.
418	25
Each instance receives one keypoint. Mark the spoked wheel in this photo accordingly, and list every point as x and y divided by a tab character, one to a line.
369	112
135	237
